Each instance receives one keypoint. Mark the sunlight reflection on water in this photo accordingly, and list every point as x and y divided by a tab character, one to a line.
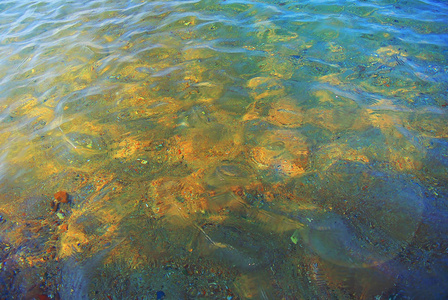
223	149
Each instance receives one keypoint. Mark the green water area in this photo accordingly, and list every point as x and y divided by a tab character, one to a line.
224	149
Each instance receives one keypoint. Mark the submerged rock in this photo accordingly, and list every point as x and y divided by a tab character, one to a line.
61	196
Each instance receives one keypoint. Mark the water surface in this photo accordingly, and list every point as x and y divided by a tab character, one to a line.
224	149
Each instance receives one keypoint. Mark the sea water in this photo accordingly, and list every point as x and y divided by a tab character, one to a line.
223	149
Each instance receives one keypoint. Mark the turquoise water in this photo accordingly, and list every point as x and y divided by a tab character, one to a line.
223	149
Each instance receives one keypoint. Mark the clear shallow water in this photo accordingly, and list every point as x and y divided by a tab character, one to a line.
223	149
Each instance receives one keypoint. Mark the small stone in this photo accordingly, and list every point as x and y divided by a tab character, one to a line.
160	295
54	205
63	227
61	196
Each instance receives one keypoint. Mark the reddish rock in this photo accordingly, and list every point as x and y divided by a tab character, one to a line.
61	196
63	227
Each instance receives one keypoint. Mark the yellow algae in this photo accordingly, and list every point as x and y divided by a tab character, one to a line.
256	81
72	241
283	150
131	72
362	121
428	125
250	48
109	38
381	120
324	96
430	56
334	47
388	50
285	113
405	163
168	193
336	152
198	149
333	79
48	168
77	236
284	37
255	110
403	153
277	67
197	53
192	147
205	143
104	70
263	87
265	29
336	119
194	74
85	75
131	256
263	157
294	167
25	105
4	136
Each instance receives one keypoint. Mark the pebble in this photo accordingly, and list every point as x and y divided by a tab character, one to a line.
63	227
61	196
54	205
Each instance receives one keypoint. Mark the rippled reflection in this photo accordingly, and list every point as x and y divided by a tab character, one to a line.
223	149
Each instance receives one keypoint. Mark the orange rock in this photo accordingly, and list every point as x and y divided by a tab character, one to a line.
61	196
63	227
